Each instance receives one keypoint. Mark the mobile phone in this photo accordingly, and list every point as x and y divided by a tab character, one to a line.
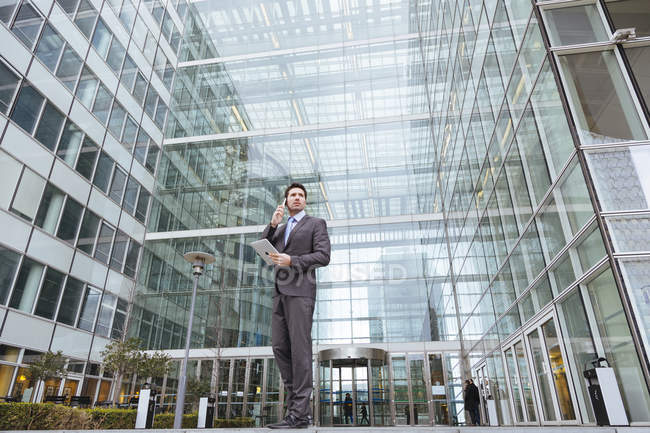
284	202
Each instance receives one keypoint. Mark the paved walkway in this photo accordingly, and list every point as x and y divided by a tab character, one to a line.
404	429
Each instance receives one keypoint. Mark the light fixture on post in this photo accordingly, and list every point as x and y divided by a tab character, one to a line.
198	261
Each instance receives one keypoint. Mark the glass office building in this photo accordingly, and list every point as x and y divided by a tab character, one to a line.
479	163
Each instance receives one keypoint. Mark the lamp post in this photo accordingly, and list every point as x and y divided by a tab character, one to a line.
198	261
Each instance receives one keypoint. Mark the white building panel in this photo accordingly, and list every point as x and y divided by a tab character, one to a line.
50	250
27	331
87	269
27	150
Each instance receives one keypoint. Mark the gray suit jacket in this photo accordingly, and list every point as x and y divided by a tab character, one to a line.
309	248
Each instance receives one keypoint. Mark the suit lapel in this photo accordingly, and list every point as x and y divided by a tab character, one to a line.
279	235
297	227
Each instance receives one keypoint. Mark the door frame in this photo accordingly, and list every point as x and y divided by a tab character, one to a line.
537	327
511	346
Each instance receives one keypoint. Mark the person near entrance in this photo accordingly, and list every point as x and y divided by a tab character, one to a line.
347	408
472	400
303	245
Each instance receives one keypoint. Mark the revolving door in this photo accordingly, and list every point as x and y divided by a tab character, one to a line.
353	387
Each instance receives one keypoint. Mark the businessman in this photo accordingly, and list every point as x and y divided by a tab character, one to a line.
303	245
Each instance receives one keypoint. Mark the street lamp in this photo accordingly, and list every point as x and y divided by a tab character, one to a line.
198	261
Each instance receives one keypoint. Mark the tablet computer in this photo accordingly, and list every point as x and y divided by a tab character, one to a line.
264	248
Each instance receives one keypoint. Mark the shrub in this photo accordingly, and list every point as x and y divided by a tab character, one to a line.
41	416
166	420
49	416
109	419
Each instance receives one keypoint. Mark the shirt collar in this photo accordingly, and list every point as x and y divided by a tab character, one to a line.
299	216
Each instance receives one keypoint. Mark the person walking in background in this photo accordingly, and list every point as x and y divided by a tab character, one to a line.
303	245
472	401
364	415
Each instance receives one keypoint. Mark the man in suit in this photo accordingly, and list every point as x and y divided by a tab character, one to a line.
303	245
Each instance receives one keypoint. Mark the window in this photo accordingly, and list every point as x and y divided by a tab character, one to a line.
129	72
102	39
106	312
49	48
70	143
86	17
127	15
49	296
7	10
117	186
116	122
129	134
131	262
29	278
70	301
639	58
87	158
88	232
140	88
103	173
102	105
69	68
70	220
8	84
141	146
131	195
119	249
87	87
575	25
28	195
27	108
120	319
104	241
152	158
8	266
49	126
27	24
89	309
48	212
161	114
603	107
116	56
69	6
150	102
143	205
630	13
139	34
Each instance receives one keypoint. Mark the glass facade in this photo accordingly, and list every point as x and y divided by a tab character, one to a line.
480	165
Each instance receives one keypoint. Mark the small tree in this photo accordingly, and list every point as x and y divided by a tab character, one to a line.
121	358
196	388
154	366
48	366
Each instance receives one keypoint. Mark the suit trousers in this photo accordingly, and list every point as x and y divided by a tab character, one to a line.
291	324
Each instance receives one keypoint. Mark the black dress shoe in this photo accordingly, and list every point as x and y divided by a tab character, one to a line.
290	422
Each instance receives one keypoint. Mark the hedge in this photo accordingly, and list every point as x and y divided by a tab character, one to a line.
49	416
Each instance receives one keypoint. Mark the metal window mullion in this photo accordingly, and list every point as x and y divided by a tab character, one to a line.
371	403
265	374
231	370
426	372
247	374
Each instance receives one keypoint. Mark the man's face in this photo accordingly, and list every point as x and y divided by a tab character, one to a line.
296	200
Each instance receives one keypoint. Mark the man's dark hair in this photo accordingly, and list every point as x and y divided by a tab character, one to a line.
295	185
